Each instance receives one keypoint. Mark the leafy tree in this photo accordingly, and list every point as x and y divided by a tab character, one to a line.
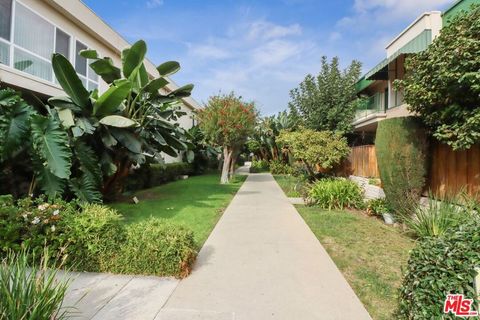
327	101
203	154
442	83
323	148
227	121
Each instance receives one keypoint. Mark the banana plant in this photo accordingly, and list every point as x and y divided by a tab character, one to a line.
125	125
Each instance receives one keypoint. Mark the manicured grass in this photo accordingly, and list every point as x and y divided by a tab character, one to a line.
289	184
196	203
369	254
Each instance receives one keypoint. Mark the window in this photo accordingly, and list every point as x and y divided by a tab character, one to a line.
80	62
62	43
5	18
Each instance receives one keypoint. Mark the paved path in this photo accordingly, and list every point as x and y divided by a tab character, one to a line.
263	262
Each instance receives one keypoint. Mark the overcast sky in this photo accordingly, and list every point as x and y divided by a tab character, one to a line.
260	49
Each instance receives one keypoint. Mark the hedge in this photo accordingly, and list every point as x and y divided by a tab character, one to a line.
401	147
156	174
439	266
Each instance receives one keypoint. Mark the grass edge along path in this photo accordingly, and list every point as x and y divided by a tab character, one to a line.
369	254
196	203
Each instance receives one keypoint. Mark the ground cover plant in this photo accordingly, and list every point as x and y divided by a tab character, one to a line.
339	193
294	187
196	203
370	255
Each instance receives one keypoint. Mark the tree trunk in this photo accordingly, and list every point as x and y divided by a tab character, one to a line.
311	173
227	158
233	161
113	186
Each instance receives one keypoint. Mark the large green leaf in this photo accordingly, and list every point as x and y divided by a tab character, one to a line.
127	139
173	141
108	167
168	68
183	92
68	79
133	58
89	162
118	121
105	69
50	142
64	103
155	85
89	54
14	127
85	190
51	185
111	99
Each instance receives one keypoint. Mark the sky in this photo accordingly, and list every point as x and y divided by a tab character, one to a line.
261	49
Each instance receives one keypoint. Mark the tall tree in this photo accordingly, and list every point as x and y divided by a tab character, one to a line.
227	121
327	101
442	83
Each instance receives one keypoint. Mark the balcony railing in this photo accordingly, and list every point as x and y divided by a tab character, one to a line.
374	104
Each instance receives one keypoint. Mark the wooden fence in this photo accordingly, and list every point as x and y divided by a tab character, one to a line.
449	171
362	162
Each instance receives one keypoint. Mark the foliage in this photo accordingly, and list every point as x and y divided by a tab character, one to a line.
334	194
442	83
204	155
327	102
92	237
292	186
377	207
323	148
156	247
401	147
153	175
440	217
279	167
438	266
31	223
263	142
29	291
227	121
259	166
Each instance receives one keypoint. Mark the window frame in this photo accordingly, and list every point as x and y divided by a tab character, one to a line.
71	47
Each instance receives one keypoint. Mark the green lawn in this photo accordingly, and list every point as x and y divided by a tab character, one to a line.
289	184
196	203
369	254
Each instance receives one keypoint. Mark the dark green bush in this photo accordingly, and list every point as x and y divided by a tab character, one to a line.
401	146
156	247
335	194
438	266
156	174
259	166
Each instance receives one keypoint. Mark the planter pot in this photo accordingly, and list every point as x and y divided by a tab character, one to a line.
388	218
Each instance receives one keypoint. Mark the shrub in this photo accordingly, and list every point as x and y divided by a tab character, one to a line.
156	247
279	167
438	266
157	174
401	147
92	237
377	207
336	194
259	166
438	218
29	291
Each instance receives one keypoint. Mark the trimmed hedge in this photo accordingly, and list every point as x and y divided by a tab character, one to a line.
401	147
153	175
438	266
94	238
156	247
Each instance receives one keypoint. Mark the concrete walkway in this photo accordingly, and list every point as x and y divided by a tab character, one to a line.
263	262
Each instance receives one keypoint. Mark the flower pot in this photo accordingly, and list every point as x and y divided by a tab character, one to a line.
388	218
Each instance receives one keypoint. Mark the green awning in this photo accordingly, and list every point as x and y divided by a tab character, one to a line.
379	72
362	84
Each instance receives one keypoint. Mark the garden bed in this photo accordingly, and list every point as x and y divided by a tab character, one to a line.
369	254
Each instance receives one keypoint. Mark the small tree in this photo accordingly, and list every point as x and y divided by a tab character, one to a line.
324	148
442	83
227	121
327	101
